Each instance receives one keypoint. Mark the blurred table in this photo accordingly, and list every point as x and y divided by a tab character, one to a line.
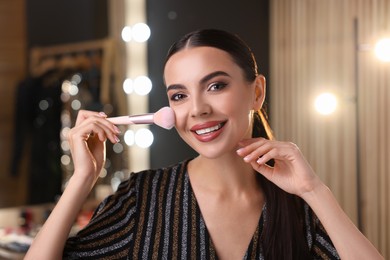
8	254
18	225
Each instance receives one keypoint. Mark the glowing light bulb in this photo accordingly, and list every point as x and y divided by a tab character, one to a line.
128	86
126	34
382	50
144	138
142	85
129	137
326	103
140	32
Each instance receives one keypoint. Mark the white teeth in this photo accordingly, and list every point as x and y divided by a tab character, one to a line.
208	130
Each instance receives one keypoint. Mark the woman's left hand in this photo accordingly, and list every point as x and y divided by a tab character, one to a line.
291	172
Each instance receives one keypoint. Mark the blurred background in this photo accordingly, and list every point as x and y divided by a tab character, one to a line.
328	89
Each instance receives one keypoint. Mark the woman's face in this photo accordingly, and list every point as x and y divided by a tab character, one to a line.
211	99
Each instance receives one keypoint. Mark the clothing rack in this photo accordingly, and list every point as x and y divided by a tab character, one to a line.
105	46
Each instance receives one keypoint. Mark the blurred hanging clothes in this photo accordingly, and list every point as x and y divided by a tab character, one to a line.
38	121
89	87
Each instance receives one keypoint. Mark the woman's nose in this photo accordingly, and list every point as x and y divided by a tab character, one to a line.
200	108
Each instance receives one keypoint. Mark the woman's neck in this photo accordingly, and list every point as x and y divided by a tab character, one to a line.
228	174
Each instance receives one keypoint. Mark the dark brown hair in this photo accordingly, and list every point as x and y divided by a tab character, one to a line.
283	234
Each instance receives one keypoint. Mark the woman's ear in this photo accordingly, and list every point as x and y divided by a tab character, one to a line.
259	92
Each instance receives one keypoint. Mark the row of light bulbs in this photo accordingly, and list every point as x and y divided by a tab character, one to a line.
141	85
139	32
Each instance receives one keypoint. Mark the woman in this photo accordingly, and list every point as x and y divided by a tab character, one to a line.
246	196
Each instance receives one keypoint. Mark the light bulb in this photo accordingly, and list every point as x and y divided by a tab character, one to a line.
140	32
142	85
326	103
128	86
144	138
126	34
382	50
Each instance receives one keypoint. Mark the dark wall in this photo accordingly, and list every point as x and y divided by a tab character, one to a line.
56	22
171	19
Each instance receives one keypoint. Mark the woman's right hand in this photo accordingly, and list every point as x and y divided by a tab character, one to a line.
87	143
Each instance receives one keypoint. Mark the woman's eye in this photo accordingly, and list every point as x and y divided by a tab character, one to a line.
217	86
177	97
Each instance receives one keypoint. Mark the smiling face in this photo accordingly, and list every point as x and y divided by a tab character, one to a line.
211	99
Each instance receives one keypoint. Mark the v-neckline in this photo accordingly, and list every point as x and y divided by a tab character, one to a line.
255	237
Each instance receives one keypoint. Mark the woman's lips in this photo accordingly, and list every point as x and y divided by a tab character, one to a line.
208	131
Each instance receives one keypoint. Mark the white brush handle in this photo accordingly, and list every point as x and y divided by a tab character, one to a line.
136	119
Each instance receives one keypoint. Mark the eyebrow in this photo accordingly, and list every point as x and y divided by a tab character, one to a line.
202	80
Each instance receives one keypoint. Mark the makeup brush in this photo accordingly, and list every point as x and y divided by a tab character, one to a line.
165	118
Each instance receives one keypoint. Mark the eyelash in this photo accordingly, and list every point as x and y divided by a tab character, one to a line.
179	96
220	85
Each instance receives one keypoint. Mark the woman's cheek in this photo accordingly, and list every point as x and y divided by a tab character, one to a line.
180	118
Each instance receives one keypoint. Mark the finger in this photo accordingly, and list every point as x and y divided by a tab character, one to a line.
84	114
98	126
254	150
263	169
283	151
266	156
262	151
103	130
100	119
249	145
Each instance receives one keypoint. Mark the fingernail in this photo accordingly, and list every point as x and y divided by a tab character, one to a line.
117	139
117	129
102	114
239	150
247	158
